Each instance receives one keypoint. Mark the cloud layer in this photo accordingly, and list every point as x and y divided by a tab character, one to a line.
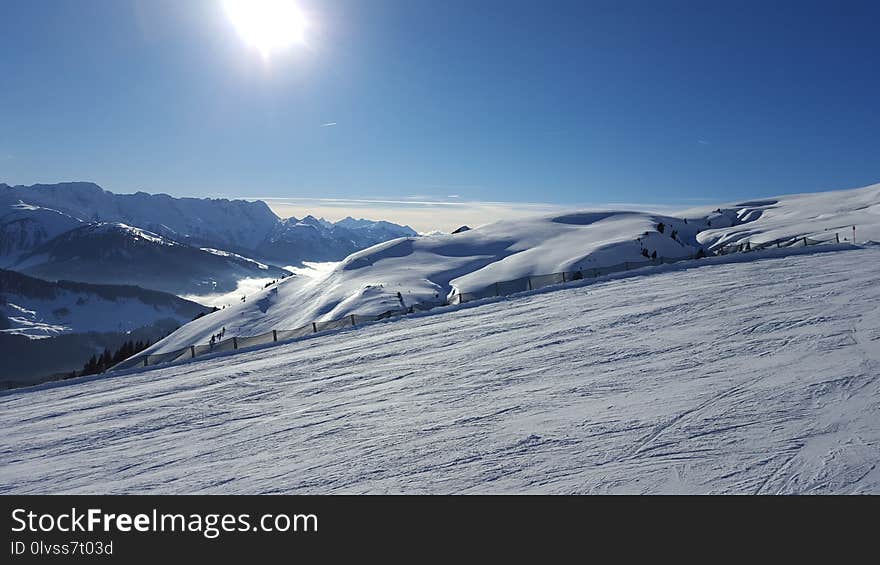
427	215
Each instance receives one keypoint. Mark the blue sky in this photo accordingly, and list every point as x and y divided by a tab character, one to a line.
653	102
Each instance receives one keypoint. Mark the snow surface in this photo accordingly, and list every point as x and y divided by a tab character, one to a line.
430	269
751	377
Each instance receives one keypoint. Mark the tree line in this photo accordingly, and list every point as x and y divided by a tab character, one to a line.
100	363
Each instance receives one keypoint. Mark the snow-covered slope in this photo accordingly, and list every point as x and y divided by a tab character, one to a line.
108	253
47	328
24	227
430	269
816	215
754	377
427	269
40	309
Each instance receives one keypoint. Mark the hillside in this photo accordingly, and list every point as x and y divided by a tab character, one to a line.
750	377
106	253
24	227
38	308
54	327
433	269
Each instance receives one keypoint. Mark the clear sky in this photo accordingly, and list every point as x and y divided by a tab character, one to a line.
558	102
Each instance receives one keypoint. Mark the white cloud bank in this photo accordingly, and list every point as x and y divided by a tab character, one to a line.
427	215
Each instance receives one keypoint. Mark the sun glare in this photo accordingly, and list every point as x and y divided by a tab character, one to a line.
268	25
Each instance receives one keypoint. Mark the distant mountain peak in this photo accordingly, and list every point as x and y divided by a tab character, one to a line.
243	228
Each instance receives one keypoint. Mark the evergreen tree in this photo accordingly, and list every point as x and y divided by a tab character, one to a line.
91	366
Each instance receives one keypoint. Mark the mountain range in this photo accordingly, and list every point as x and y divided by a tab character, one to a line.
79	231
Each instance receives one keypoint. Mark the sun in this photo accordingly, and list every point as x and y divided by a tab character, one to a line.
268	25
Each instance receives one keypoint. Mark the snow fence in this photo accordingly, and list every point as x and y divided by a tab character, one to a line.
241	342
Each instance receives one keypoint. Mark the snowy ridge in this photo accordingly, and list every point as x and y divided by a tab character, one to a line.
24	227
431	270
223	223
117	253
221	253
814	215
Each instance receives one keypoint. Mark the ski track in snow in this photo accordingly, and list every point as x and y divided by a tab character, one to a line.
757	377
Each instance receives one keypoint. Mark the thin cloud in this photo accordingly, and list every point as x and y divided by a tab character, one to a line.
702	142
426	216
328	125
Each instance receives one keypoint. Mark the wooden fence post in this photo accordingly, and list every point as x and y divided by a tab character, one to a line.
145	359
529	282
235	343
352	319
497	290
314	327
274	335
563	276
192	350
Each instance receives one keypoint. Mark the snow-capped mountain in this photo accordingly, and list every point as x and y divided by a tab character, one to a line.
227	224
50	327
431	269
246	228
320	240
115	253
24	227
365	231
